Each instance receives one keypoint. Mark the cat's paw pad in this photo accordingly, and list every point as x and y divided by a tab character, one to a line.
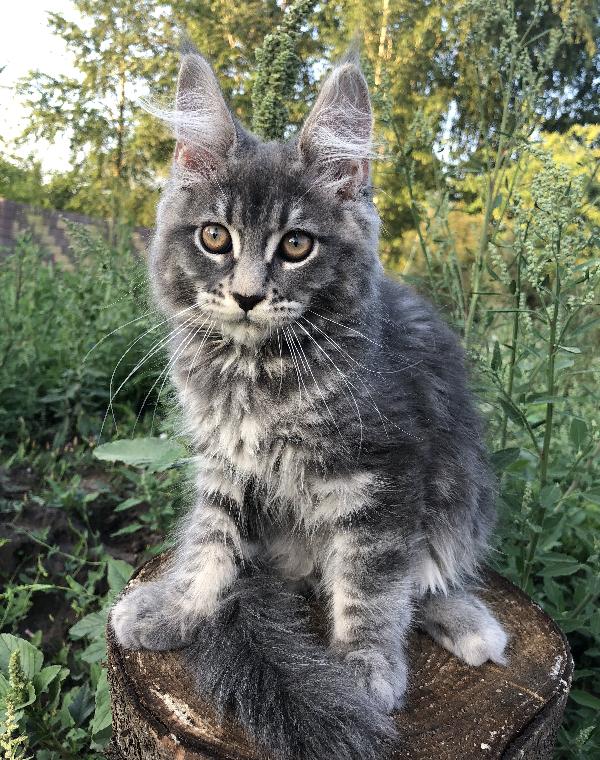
476	647
384	684
143	619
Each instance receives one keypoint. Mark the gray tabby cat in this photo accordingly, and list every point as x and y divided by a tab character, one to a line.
338	447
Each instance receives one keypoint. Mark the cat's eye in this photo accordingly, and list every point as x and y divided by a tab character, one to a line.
214	238
295	245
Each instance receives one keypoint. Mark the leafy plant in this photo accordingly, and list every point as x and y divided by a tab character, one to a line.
278	68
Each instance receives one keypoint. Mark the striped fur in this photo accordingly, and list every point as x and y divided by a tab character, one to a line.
338	446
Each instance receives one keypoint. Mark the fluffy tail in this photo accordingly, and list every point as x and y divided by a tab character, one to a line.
257	660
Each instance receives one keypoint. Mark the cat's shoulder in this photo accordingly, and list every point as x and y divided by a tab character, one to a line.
404	306
413	326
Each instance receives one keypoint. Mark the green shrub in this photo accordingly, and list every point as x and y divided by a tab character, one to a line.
66	330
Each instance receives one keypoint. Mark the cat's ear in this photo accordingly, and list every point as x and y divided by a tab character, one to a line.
203	124
337	135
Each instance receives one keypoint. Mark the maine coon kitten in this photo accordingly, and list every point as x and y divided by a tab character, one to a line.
337	443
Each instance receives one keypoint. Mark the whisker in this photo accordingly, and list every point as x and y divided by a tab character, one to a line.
347	327
170	364
112	332
318	387
348	384
341	350
165	370
363	382
280	363
111	395
295	365
193	364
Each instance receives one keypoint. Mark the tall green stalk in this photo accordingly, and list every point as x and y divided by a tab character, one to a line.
278	69
513	346
549	418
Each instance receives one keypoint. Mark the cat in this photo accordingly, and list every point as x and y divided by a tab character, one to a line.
337	445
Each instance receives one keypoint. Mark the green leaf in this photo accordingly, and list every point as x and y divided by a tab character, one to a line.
585	698
593	496
492	274
142	452
101	724
541	398
81	705
128	503
95	652
570	349
578	432
496	357
126	530
586	326
563	362
554	593
4	690
119	572
31	657
44	678
549	495
512	412
560	567
91	625
504	458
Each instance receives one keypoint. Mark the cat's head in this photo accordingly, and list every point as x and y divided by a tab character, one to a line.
259	235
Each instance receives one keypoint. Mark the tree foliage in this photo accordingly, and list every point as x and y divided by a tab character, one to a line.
119	49
425	57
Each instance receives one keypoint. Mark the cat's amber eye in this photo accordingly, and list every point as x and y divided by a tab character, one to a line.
215	238
295	245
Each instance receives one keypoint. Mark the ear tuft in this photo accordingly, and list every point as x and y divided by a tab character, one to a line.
337	136
201	121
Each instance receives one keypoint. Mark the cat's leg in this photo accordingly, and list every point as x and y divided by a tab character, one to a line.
162	614
290	555
464	625
370	600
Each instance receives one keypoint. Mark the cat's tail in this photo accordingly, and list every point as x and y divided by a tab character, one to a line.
256	659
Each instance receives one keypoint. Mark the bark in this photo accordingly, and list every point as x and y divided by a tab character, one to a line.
453	711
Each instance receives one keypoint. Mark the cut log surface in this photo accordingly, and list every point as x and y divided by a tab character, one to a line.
453	711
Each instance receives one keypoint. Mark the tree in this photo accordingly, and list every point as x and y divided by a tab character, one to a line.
438	78
128	49
121	48
22	181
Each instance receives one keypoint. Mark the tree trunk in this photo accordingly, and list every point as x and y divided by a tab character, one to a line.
453	711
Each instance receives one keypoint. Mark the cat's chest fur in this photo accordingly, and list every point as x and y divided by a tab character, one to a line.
251	428
247	424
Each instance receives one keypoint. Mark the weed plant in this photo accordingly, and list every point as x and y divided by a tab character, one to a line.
72	527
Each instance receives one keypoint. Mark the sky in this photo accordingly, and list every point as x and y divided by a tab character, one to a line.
27	43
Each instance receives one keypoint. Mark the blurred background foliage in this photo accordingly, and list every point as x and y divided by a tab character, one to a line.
488	137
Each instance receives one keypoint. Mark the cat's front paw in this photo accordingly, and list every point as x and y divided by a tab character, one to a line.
145	618
385	684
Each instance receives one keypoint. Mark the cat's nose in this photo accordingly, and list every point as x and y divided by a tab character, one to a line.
247	302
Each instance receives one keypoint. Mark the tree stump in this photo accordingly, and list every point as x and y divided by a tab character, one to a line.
454	712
